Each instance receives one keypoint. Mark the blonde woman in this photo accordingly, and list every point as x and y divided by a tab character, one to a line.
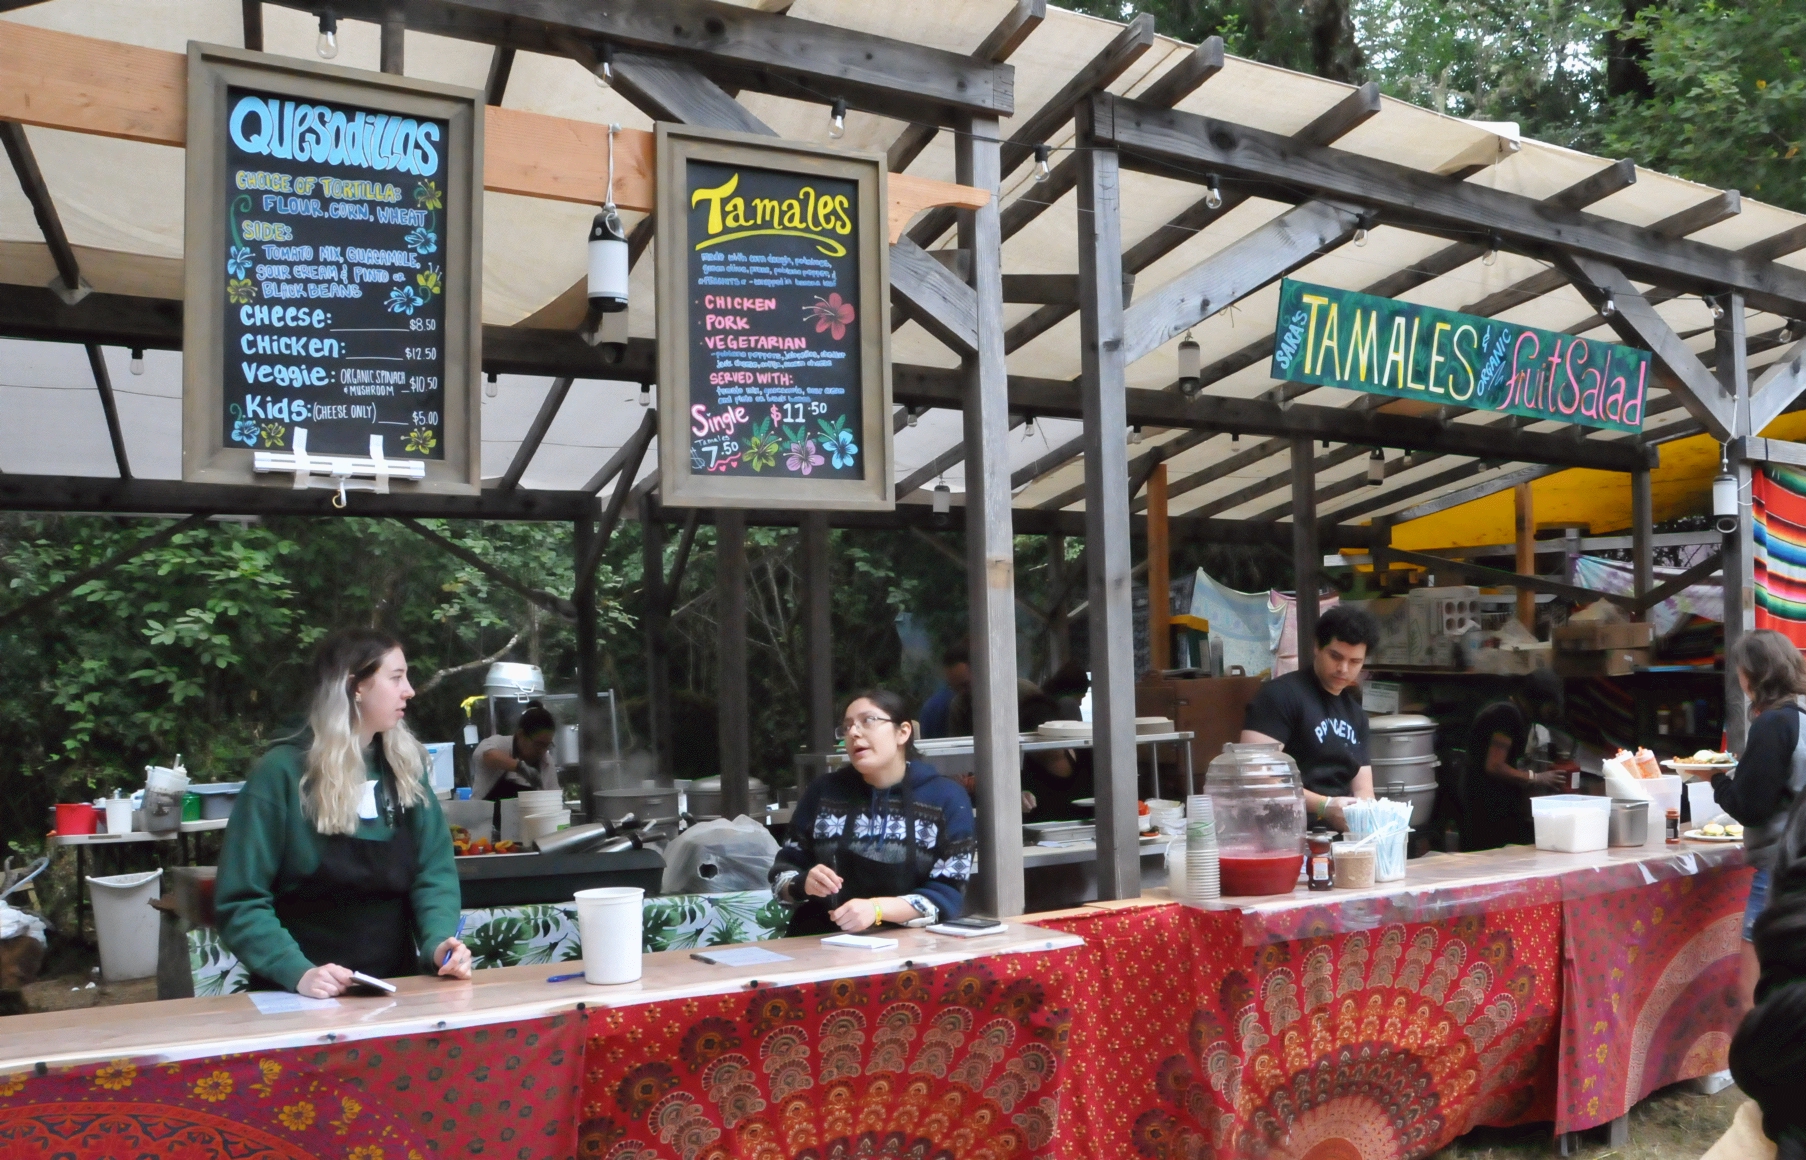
337	858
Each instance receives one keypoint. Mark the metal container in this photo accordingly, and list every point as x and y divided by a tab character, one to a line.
507	679
1400	735
1629	822
1422	798
643	802
704	797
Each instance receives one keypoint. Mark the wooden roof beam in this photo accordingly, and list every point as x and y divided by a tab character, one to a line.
69	284
1015	27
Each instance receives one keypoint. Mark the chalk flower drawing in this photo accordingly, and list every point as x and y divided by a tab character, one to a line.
243	430
831	314
803	457
404	300
238	262
431	281
420	441
240	292
427	195
275	434
837	441
422	240
762	447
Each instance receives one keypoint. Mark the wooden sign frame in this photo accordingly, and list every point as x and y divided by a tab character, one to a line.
211	70
679	485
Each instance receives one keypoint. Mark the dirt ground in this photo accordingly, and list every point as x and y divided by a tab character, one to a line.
1676	1123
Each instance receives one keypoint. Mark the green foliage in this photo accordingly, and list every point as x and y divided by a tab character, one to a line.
1728	103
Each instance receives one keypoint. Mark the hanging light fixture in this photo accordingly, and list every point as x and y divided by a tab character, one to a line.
1609	307
1213	195
1492	251
490	389
1028	427
1135	434
328	44
645	394
1717	307
1724	495
1042	171
1190	366
1376	467
1360	234
943	498
605	64
837	119
608	248
137	363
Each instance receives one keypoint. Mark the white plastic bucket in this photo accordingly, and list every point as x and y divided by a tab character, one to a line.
126	924
609	926
119	818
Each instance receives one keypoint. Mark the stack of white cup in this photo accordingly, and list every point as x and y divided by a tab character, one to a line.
1203	874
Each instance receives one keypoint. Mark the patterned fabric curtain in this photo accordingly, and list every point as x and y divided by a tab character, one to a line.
1779	504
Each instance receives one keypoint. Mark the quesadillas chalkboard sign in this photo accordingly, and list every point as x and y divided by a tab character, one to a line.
332	254
773	329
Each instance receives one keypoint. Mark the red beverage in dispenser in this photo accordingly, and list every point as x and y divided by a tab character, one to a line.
1258	804
1260	873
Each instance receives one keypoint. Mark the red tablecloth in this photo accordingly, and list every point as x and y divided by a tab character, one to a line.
962	1061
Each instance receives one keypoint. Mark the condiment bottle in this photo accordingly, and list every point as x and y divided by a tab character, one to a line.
1321	864
1674	827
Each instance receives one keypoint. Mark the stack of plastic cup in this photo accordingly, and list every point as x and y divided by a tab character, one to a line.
1203	874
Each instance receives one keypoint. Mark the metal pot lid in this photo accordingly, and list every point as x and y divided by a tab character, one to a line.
713	784
1400	723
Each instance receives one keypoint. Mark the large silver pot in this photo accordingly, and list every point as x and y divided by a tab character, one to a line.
704	797
644	803
1400	735
1402	752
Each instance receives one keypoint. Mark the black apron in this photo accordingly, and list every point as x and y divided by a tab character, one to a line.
863	877
366	886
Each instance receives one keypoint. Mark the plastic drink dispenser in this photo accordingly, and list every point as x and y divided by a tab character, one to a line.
1258	802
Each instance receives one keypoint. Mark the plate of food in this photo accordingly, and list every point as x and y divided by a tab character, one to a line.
1703	763
1714	832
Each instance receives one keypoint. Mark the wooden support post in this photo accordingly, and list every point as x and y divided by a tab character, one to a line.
732	721
818	632
1642	522
1524	504
589	686
394	40
657	619
1732	371
1306	562
1111	614
990	538
1160	600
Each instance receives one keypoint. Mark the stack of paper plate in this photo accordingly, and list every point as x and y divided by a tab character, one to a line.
1064	731
1147	725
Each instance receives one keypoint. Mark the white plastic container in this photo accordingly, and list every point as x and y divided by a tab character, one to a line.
1571	823
119	819
533	827
1665	794
126	924
610	928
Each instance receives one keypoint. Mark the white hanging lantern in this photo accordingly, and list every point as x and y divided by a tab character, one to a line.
608	266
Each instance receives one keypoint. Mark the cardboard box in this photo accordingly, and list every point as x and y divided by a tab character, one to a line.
1598	636
1602	663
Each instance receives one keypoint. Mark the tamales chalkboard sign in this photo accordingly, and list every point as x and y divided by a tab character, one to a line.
773	324
333	248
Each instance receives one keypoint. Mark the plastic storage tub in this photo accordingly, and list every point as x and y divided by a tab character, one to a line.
1571	823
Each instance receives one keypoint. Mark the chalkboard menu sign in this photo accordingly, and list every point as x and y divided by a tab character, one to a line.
334	252
773	328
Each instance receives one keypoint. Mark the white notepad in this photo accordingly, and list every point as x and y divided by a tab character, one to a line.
287	1002
860	942
739	956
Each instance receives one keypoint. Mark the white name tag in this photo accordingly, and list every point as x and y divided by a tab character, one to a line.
366	805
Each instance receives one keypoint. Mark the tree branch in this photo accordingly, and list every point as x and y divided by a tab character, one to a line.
433	681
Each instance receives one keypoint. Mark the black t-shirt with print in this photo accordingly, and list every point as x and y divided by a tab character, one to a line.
1325	735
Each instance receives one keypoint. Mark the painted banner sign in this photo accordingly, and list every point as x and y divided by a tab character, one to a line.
1359	342
778	397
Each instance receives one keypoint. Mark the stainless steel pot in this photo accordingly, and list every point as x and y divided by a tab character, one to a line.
1400	735
643	802
1629	822
704	797
1421	797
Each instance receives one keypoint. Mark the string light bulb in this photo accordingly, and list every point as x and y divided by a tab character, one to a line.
645	394
490	388
1213	195
1190	366
1789	329
137	363
1376	467
1716	306
837	119
1028	427
1492	251
943	498
1609	307
910	416
605	65
1042	171
1360	234
328	44
1135	434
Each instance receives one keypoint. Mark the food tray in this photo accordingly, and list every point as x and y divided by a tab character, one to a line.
1699	836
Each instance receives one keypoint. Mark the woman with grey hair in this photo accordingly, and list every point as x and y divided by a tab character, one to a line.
337	858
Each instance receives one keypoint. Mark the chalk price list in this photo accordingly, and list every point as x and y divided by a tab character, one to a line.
335	285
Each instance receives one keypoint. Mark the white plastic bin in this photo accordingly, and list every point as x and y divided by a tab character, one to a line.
610	928
126	924
1571	823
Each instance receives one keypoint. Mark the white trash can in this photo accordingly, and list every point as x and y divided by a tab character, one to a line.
126	924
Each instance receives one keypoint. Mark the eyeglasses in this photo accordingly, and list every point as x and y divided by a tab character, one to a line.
862	724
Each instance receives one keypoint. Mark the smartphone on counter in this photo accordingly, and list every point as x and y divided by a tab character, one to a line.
372	982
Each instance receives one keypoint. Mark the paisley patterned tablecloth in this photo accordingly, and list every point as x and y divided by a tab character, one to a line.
960	1062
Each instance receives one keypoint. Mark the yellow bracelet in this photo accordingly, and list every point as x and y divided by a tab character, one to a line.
877	913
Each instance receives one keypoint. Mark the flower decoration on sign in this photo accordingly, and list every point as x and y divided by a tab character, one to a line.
420	441
238	261
837	441
422	240
427	195
431	281
803	456
274	434
244	430
832	314
404	300
762	446
240	292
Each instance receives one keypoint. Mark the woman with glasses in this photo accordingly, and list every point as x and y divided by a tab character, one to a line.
882	838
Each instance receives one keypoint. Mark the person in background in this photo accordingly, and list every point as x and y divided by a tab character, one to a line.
1771	772
1315	715
1051	778
880	839
337	858
1498	788
1068	686
956	671
503	765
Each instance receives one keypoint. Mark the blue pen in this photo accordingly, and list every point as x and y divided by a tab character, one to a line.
457	934
564	978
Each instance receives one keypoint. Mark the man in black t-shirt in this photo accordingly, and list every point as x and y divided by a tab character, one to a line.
1496	809
1315	714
